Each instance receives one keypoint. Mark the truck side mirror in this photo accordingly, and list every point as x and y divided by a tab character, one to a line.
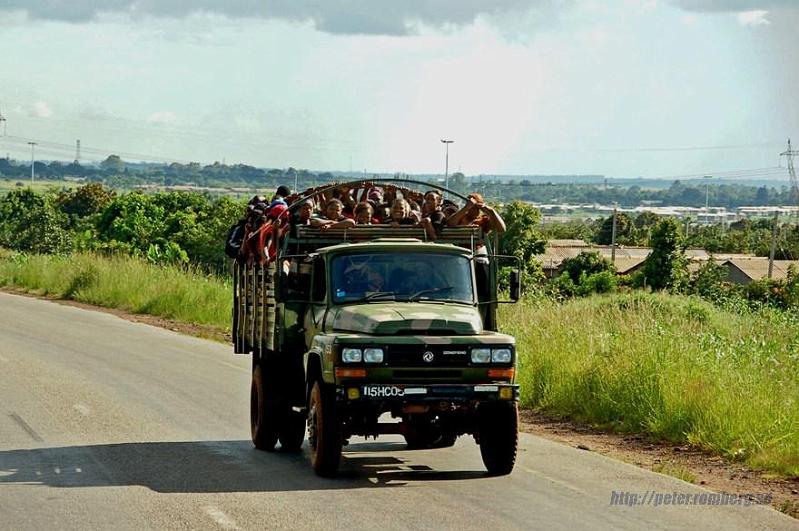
515	285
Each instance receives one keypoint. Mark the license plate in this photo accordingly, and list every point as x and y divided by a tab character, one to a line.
383	391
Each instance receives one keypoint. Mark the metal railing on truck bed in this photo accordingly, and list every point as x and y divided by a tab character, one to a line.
307	239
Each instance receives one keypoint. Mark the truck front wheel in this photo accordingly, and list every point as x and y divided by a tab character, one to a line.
324	431
498	424
264	414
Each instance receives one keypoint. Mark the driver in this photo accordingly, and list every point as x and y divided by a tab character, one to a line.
363	278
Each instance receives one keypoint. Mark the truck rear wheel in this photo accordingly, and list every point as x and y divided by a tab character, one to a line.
264	411
292	431
324	431
498	425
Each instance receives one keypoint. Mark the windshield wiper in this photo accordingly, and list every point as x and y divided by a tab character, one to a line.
429	290
375	295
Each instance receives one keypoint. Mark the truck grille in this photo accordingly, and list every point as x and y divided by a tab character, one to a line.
417	374
414	356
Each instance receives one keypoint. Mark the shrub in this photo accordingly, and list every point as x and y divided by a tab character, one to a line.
586	263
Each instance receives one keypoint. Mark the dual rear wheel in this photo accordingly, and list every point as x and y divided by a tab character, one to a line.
271	417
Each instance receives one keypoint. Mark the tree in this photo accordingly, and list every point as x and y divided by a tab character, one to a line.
41	230
762	197
14	206
624	224
666	266
87	200
112	164
522	238
709	281
646	219
457	179
586	263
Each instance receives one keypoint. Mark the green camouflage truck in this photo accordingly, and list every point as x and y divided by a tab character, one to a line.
348	326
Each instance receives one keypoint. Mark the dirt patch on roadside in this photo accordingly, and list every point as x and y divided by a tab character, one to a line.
685	462
198	330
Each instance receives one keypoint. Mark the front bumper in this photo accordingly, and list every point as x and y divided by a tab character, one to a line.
429	393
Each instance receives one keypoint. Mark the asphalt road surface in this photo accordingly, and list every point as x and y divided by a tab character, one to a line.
108	424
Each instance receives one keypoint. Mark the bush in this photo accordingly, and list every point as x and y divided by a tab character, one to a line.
587	263
708	282
602	282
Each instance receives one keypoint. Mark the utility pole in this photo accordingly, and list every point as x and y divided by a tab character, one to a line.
613	239
773	249
707	196
789	154
33	160
77	151
446	164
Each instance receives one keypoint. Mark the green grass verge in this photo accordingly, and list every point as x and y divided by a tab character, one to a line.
125	283
675	367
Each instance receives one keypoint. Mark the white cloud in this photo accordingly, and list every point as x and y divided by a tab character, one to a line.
41	110
688	20
162	117
753	18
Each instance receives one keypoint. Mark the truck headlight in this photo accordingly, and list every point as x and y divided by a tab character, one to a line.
501	355
481	355
351	355
373	355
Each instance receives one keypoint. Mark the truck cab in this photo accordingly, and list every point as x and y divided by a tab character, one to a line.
350	328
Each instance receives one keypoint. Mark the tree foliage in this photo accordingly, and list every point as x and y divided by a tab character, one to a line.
586	263
666	265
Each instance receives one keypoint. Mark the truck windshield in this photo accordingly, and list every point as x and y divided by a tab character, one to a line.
402	276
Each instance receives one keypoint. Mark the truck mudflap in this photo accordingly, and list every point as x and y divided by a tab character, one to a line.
428	393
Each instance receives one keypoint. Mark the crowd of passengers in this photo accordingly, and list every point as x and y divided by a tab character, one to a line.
343	207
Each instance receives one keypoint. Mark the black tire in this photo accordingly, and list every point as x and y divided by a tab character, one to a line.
498	424
292	431
264	413
324	431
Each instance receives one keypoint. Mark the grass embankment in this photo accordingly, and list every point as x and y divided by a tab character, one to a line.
124	283
677	368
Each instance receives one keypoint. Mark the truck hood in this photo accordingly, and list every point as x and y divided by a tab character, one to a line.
398	318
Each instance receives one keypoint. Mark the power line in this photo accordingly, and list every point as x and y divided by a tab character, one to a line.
760	145
774	171
68	148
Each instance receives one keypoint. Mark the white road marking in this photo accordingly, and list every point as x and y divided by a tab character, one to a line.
221	518
82	409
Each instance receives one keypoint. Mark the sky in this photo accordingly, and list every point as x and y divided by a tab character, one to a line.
621	88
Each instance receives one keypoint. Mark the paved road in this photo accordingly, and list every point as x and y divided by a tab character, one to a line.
110	424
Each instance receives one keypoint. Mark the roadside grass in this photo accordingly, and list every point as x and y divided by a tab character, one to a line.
675	367
124	283
679	472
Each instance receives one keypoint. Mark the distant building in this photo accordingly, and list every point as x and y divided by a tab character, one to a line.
628	259
745	270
